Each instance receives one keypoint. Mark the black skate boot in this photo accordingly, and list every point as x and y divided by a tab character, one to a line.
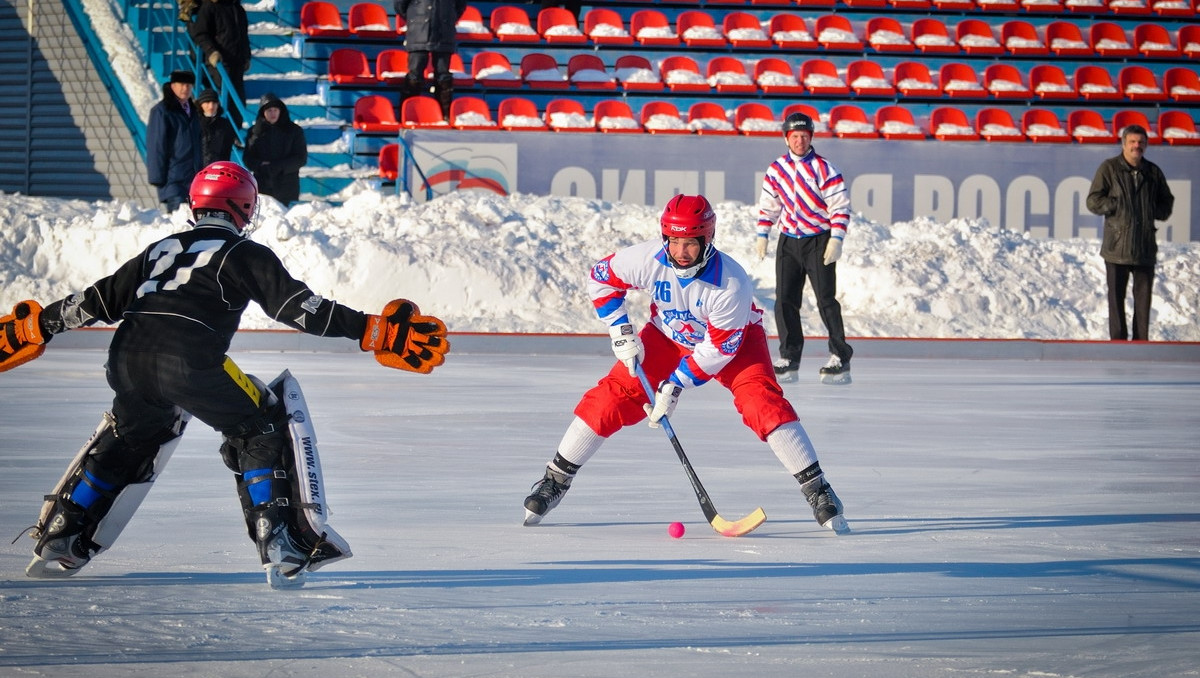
835	371
63	547
826	506
786	370
285	560
547	492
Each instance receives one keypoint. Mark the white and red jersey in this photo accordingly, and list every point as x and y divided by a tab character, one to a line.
803	197
707	314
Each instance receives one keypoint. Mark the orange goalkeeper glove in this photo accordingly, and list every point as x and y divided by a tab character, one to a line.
21	338
404	339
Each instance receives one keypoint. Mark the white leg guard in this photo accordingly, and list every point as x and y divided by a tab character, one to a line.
59	562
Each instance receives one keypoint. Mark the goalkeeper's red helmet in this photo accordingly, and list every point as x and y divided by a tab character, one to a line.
689	216
228	187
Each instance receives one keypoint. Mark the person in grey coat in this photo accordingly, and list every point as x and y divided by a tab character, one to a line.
1130	192
173	146
430	31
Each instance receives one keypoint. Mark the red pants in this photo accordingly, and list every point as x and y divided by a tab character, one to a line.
616	401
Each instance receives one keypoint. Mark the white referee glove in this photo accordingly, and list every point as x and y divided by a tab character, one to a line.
833	251
665	400
760	247
627	346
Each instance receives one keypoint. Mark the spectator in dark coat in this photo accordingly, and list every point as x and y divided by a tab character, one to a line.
222	32
217	135
430	30
276	150
173	148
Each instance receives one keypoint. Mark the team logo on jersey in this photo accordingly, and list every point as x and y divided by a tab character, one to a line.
602	271
684	326
733	343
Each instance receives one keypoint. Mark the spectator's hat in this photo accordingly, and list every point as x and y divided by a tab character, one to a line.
208	95
185	77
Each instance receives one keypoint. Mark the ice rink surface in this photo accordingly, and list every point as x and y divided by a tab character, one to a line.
1012	518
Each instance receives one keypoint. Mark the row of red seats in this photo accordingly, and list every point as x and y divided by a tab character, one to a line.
697	28
819	77
1118	7
376	114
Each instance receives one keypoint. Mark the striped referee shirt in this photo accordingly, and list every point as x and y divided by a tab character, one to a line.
803	197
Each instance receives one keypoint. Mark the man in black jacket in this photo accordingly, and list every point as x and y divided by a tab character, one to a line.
430	30
276	150
173	147
217	135
1130	192
221	31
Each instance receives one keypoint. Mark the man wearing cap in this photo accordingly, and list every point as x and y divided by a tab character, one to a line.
173	148
804	195
217	135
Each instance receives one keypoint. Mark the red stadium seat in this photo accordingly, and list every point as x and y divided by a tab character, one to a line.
976	37
1020	38
954	5
1174	8
1095	84
421	111
650	27
558	26
703	111
835	32
848	121
958	81
348	66
775	76
389	162
1109	39
493	69
322	19
615	117
997	124
728	75
1064	38
1130	8
605	27
1048	81
634	71
865	4
1005	6
1189	41
820	77
1123	119
1177	128
756	120
1087	127
789	31
820	129
1139	83
910	4
682	74
931	36
1094	7
703	29
866	78
587	71
391	66
947	123
1035	6
1153	40
571	108
518	114
1182	84
1042	126
370	20
511	24
470	26
374	113
885	34
662	117
545	68
1004	81
896	122
743	30
470	113
912	79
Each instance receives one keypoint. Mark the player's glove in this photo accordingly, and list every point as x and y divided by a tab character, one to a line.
626	345
833	251
21	336
665	399
404	339
760	247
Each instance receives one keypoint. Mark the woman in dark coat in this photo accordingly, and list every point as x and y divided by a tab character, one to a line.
276	150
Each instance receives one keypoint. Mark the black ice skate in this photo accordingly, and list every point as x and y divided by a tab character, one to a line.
835	371
285	560
63	547
547	492
826	506
786	370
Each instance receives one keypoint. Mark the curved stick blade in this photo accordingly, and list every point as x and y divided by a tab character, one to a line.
741	527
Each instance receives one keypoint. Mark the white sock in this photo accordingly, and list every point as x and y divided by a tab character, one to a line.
579	443
793	448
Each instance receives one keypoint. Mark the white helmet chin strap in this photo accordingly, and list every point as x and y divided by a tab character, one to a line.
690	271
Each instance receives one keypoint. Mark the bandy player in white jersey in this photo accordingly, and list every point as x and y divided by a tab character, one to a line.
703	326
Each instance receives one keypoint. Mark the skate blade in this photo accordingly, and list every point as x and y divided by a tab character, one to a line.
836	379
278	579
531	518
40	568
838	524
788	377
